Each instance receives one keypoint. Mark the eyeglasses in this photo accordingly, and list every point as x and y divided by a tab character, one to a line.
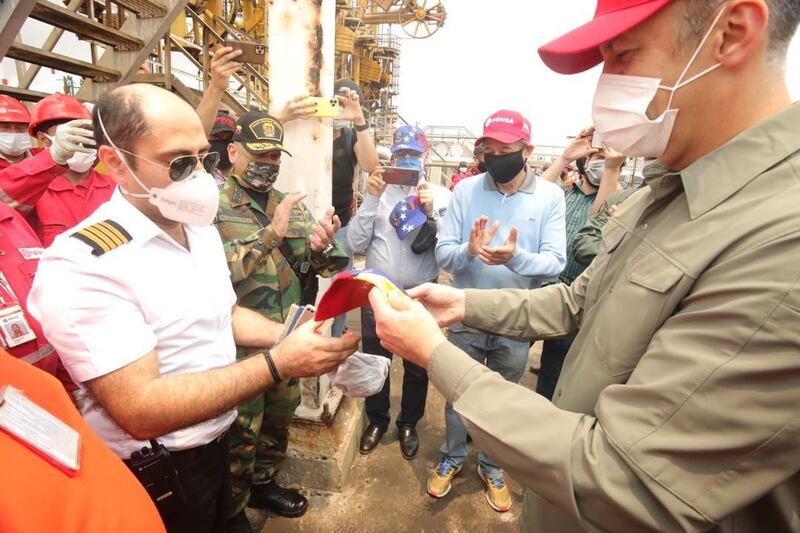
180	167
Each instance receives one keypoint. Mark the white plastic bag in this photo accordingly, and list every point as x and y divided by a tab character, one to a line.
361	374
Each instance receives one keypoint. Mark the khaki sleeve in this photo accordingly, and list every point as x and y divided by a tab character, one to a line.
547	313
707	423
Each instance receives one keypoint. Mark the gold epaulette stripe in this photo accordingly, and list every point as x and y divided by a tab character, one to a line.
103	236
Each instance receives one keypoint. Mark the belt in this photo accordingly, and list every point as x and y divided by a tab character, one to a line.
199	449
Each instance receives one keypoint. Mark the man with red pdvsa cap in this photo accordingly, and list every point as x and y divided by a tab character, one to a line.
15	143
57	188
677	407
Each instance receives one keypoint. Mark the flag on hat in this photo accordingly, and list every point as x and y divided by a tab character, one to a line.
407	216
350	290
409	137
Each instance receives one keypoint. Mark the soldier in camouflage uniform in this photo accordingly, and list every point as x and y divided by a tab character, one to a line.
270	237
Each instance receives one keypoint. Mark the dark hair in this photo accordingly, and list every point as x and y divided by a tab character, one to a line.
784	18
581	165
44	126
123	118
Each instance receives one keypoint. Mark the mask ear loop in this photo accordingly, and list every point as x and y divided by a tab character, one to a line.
681	82
149	193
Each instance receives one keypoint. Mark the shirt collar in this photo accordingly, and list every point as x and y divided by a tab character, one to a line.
124	213
239	196
94	180
716	177
528	186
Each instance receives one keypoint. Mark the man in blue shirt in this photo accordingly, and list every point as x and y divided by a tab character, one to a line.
503	229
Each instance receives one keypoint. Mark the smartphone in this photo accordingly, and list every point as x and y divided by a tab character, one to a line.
401	176
296	316
252	52
326	107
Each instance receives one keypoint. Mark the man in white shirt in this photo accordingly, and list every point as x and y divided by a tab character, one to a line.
139	302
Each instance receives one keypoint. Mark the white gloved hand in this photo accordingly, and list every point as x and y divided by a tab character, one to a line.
73	136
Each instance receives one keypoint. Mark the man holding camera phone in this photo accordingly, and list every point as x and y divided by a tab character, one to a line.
406	255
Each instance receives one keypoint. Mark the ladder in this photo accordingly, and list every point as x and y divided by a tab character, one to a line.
122	36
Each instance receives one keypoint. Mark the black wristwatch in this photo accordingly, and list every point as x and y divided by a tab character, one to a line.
363	127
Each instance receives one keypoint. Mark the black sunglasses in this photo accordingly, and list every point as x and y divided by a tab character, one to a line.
180	167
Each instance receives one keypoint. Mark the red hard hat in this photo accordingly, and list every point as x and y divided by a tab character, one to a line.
12	110
56	107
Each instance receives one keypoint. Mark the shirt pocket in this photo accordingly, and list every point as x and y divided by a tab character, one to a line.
612	237
49	232
635	306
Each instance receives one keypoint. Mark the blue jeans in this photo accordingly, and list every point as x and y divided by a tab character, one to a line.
508	358
339	323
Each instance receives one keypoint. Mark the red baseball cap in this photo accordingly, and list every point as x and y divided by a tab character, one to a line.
506	127
579	49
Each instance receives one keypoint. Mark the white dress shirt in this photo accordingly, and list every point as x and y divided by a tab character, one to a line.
104	312
371	231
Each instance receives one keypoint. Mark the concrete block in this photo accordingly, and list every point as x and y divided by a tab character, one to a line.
320	456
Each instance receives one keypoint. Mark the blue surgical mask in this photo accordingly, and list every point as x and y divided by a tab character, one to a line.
412	162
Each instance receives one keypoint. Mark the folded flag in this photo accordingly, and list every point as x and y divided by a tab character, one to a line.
407	216
350	290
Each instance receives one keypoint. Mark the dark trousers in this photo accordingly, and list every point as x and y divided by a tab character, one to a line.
415	382
204	475
553	354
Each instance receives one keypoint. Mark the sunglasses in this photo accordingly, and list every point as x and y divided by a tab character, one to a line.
180	167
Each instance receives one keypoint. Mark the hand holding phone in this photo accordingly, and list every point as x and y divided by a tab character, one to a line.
252	52
326	107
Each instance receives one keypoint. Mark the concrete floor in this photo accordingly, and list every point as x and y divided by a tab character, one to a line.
386	493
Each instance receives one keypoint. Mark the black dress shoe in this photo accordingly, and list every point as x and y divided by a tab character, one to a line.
273	497
238	524
370	439
409	442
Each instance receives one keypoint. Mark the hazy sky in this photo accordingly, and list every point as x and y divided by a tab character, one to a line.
485	59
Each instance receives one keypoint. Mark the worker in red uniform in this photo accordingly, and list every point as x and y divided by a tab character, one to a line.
477	167
15	143
57	188
41	491
19	256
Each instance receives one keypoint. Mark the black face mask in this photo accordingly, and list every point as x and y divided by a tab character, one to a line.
504	168
221	147
482	166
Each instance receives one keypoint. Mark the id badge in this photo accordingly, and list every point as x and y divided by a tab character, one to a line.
38	429
14	328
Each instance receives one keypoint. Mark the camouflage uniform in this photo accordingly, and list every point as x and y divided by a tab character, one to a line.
265	282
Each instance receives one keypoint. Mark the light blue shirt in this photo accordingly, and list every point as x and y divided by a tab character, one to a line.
536	210
371	231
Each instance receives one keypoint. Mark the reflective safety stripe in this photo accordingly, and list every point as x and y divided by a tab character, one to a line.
38	355
13	204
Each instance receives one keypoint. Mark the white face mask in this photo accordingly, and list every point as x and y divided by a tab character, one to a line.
620	107
193	200
594	172
81	162
15	144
